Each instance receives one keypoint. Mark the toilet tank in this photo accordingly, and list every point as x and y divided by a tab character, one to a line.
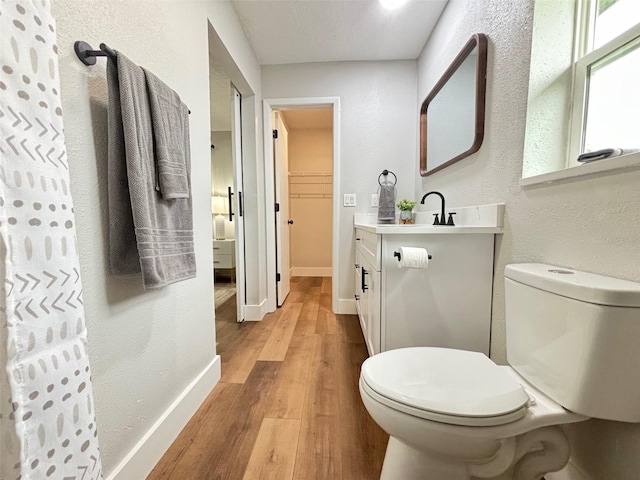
576	337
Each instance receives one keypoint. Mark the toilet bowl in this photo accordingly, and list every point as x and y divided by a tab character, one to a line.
456	415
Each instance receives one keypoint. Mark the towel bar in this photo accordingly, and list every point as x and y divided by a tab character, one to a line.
87	54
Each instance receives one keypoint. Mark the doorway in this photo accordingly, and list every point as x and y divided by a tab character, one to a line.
305	184
226	193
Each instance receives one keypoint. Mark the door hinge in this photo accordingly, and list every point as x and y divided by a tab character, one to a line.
275	134
277	207
277	277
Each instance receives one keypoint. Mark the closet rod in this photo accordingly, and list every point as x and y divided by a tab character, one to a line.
87	54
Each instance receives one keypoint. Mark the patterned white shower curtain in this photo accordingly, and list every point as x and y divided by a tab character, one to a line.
47	412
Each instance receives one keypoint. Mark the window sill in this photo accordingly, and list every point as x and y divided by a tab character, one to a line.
600	166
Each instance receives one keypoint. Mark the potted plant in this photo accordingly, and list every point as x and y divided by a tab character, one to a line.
406	211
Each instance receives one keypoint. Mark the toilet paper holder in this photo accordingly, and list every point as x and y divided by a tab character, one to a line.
399	256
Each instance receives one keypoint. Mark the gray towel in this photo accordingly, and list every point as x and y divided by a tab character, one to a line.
387	203
170	123
147	233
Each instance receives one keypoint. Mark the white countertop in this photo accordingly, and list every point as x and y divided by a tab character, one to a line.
421	229
476	219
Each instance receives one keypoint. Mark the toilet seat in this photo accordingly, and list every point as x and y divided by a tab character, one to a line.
444	385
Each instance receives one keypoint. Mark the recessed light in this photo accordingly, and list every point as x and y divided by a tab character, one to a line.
392	4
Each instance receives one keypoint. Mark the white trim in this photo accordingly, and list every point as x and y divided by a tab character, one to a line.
143	457
255	313
581	80
347	306
599	166
311	271
283	103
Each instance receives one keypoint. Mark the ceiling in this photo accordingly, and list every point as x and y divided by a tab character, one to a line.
300	31
308	118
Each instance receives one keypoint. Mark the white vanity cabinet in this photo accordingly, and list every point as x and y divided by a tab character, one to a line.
447	304
367	289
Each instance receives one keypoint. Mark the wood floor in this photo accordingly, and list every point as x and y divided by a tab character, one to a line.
287	406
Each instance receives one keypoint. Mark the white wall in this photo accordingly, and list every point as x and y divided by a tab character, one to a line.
589	224
145	347
377	130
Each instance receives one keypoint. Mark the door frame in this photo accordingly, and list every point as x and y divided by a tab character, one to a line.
269	105
238	187
218	53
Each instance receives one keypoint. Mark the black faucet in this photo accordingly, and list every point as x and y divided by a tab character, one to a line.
441	220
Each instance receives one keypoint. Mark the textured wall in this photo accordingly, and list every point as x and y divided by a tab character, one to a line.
377	130
588	223
145	347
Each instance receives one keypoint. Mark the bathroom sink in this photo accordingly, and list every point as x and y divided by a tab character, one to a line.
420	229
474	219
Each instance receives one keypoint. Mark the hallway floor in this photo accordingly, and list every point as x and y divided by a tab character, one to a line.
287	406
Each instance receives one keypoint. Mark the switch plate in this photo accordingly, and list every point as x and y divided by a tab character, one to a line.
349	200
374	199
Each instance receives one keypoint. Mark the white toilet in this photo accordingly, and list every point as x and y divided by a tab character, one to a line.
572	347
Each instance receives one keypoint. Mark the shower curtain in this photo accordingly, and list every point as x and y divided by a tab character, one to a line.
46	402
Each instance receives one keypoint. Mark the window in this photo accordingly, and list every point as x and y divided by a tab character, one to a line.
606	97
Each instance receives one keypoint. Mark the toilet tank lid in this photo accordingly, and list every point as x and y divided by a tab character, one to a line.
582	286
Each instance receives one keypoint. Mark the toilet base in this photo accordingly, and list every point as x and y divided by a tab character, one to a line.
526	457
404	462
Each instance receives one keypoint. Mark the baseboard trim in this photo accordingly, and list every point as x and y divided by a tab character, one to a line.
311	271
255	313
347	306
143	457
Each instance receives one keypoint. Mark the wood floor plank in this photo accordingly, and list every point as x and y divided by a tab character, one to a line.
326	322
238	368
239	438
326	285
309	313
349	328
288	395
274	454
296	295
189	452
363	442
245	429
319	455
275	348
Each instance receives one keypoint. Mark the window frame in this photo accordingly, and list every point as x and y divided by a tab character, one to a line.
584	57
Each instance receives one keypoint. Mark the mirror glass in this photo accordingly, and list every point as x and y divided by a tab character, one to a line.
452	115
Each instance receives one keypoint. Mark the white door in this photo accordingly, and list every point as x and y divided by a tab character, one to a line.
236	201
281	169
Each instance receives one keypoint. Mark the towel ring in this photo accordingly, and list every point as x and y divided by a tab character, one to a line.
385	173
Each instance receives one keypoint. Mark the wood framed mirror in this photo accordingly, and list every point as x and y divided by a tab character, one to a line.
452	115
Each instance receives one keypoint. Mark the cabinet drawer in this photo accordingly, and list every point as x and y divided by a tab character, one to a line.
223	247
223	261
369	246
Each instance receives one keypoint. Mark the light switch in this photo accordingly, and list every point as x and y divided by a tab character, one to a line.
374	199
349	200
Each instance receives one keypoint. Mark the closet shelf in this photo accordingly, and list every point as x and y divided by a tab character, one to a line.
310	184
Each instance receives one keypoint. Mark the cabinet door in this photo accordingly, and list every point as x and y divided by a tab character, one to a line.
356	285
373	311
364	301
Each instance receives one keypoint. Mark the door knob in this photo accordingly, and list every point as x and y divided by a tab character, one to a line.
290	222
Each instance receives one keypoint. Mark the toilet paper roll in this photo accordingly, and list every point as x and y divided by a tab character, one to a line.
413	257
